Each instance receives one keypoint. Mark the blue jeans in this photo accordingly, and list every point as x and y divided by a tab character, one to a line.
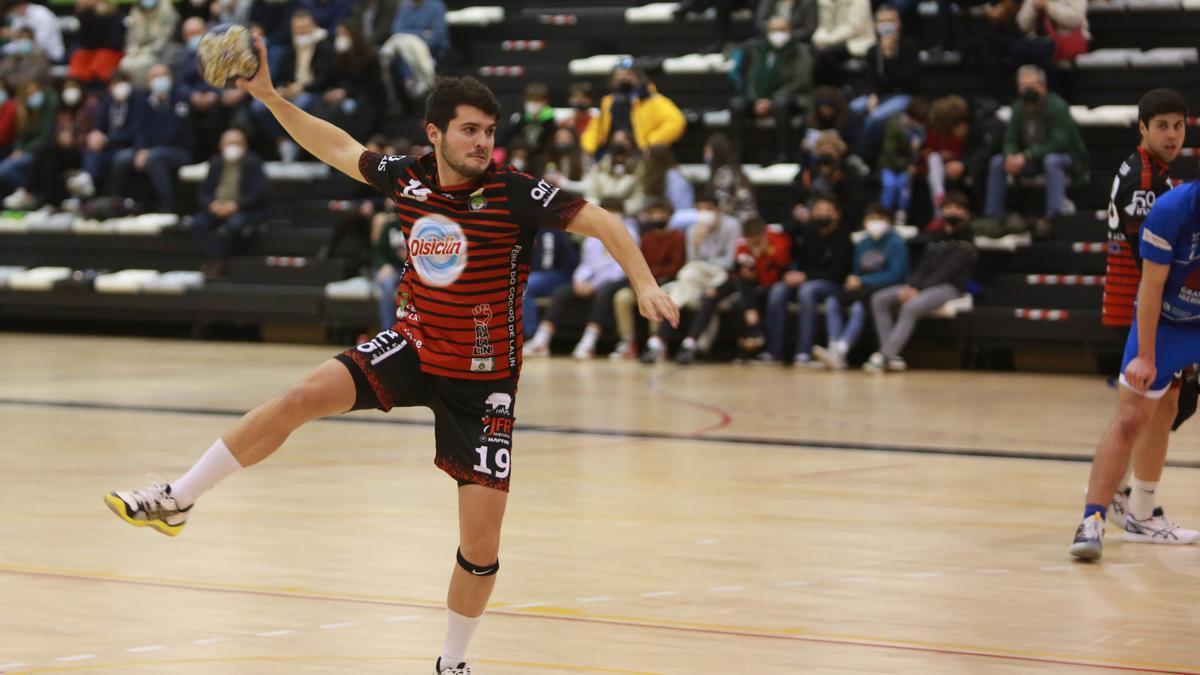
541	284
896	193
875	122
95	164
14	172
1055	167
162	164
810	295
386	287
217	237
269	125
850	331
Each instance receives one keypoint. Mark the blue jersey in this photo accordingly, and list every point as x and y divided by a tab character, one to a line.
1171	236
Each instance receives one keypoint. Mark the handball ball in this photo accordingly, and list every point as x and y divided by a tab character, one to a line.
226	53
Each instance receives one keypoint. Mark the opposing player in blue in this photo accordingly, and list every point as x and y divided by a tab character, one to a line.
1164	339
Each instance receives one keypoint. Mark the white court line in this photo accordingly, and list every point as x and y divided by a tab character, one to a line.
275	633
659	594
992	570
11	665
77	657
726	589
210	641
595	598
527	605
335	626
147	648
395	619
789	584
1057	568
857	580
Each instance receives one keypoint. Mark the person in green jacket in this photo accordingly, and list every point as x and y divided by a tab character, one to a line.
1041	139
36	109
533	127
773	77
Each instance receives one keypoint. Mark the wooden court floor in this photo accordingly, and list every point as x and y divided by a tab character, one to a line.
717	519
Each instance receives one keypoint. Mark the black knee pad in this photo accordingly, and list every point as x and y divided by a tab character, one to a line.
1189	395
476	569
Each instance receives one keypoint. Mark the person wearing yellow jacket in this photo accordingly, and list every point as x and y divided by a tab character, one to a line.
636	105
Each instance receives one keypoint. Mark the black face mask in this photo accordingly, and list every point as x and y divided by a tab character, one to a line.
953	221
618	149
1031	95
821	223
564	147
825	160
625	87
648	225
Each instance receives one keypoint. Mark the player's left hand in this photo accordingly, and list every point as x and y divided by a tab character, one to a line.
656	305
1140	374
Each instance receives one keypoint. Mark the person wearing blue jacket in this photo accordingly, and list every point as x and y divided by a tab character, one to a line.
233	196
163	136
551	265
427	19
880	261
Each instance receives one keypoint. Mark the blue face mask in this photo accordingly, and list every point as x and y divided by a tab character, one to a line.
149	4
3	97
23	47
36	99
194	42
161	85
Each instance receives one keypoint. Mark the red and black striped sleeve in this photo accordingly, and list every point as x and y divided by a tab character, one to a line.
383	172
536	203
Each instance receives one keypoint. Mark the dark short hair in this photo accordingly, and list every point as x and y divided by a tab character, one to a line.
824	197
450	92
1161	101
537	91
754	226
876	209
917	108
581	88
303	14
957	199
706	194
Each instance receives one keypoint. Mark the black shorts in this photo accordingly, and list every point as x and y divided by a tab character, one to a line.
473	420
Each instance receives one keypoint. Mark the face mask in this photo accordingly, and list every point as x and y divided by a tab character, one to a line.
953	220
342	44
778	38
618	149
532	109
876	228
824	160
23	47
304	40
121	91
36	99
233	152
193	43
705	217
564	147
518	163
161	85
1031	95
3	97
625	87
148	4
648	225
72	95
887	28
821	223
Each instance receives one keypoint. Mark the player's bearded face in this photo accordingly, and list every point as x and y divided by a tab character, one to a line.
467	144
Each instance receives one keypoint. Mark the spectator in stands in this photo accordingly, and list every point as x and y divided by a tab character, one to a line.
355	101
618	175
945	53
149	38
902	141
880	261
724	11
210	115
987	50
712	241
24	62
75	120
520	157
304	76
101	41
726	179
232	198
582	99
634	106
419	39
893	75
374	19
274	18
662	179
388	255
844	31
329	14
551	264
946	132
829	172
1044	24
941	276
1041	139
163	138
566	165
534	124
112	132
828	113
665	251
47	34
773	77
427	20
8	121
230	11
596	279
37	106
801	17
821	258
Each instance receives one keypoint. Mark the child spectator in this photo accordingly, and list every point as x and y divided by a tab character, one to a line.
37	106
662	179
727	180
552	263
665	251
534	125
580	96
902	140
618	175
566	165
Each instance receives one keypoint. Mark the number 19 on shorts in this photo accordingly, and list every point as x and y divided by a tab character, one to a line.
500	461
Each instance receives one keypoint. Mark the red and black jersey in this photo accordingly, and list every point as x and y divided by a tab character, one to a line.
469	248
1138	183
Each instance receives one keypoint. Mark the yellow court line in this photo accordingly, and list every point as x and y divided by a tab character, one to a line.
555	667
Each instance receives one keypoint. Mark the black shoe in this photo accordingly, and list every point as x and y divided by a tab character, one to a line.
685	357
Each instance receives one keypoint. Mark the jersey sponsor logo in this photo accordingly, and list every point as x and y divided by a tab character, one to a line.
544	193
1140	203
383	161
1155	240
415	191
482	315
498	419
437	250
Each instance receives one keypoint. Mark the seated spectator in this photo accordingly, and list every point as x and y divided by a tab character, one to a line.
42	22
24	62
8	121
618	175
374	19
304	75
828	114
582	99
1044	23
946	133
75	120
354	101
893	74
233	197
941	276
419	40
634	106
551	265
662	179
566	165
329	14
163	137
149	38
880	261
388	255
427	20
845	31
1041	139
665	251
597	279
828	172
988	49
37	106
772	78
821	258
945	52
902	141
534	124
724	10
101	41
112	132
211	115
726	179
712	241
274	18
801	17
228	11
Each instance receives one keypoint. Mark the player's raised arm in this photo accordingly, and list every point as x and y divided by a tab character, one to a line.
323	140
653	303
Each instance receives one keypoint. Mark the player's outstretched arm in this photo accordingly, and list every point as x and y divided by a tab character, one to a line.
1140	372
323	140
653	303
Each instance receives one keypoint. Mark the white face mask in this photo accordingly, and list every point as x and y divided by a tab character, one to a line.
72	95
342	44
233	152
305	40
532	109
876	228
705	218
518	163
778	38
121	91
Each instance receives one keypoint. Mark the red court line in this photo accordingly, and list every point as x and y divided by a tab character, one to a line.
728	632
725	420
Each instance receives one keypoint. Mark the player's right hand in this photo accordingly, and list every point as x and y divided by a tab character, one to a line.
260	85
1140	374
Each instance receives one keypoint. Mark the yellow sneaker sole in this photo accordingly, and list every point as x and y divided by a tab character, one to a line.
117	506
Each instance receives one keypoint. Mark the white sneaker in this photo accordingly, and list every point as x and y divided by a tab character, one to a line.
1157	530
460	669
626	349
584	350
1089	538
19	200
877	363
535	348
832	359
151	506
1119	507
81	185
896	364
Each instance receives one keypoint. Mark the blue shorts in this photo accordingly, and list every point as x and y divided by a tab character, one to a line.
1177	346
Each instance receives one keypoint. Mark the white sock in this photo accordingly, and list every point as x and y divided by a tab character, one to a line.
459	631
542	336
215	466
655	343
590	335
840	347
1141	499
689	343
